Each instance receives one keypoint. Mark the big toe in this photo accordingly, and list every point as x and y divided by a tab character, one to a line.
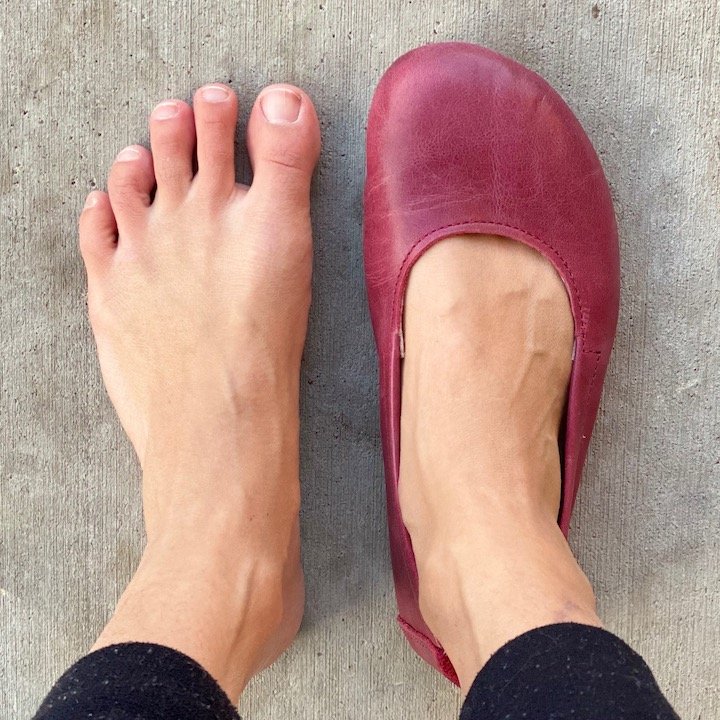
283	140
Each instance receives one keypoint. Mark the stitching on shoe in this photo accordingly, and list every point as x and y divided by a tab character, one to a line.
551	248
591	384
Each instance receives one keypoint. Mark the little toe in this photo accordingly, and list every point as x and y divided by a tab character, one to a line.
283	140
130	184
172	139
216	111
98	232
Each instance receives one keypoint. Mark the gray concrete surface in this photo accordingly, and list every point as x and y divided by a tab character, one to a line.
78	78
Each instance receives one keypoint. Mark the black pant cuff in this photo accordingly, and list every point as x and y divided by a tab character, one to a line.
566	671
141	681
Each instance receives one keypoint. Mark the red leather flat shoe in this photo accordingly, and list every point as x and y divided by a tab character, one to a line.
462	140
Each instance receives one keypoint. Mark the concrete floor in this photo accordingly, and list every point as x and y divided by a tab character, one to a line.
78	79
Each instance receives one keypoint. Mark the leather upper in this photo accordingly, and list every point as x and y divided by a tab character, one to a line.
463	140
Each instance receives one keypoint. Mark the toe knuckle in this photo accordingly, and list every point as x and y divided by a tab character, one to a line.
126	194
170	170
288	157
122	184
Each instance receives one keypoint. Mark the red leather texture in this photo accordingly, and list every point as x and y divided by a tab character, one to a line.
463	140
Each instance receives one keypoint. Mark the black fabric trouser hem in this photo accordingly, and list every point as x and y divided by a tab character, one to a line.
559	672
572	671
138	681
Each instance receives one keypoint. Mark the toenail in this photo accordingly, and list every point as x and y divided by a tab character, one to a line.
215	93
166	110
90	201
280	106
127	154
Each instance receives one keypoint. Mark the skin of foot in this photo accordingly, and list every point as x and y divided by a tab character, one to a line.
198	295
488	336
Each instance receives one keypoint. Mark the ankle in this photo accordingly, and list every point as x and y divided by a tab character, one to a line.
243	609
498	581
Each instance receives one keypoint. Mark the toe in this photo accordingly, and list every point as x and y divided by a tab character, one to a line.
98	232
130	183
283	140
216	110
172	139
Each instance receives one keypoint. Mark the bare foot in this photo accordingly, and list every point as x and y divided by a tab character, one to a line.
488	345
198	292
